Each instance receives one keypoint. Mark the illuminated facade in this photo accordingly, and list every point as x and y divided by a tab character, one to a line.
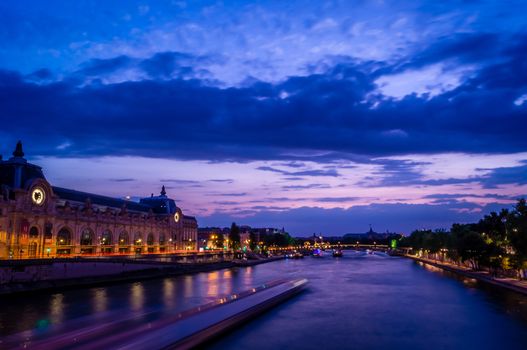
38	220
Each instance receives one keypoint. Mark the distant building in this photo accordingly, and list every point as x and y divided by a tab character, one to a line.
370	235
209	237
41	220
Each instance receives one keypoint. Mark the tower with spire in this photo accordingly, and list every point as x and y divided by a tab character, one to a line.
17	171
18	152
160	204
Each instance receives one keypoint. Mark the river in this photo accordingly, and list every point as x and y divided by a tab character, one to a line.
359	301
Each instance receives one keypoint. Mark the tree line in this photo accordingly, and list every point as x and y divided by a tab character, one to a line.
497	243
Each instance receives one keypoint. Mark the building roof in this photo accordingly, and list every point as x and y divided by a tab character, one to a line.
186	217
8	170
78	196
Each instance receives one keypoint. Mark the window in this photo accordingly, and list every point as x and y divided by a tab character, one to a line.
87	237
106	238
123	238
64	237
33	232
138	239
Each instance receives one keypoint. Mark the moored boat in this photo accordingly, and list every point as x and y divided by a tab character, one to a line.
317	253
298	255
337	253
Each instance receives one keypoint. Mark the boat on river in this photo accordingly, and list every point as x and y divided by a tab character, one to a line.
337	253
298	255
317	253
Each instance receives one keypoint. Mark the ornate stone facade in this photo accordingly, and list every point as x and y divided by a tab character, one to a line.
38	220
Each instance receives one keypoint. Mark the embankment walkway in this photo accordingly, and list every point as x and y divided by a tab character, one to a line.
519	286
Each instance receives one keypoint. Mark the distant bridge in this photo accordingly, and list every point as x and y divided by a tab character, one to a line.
378	247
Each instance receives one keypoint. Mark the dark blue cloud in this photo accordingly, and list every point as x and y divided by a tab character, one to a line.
465	195
395	173
166	65
330	113
232	194
123	180
97	67
506	175
182	182
305	187
337	199
462	48
229	181
316	172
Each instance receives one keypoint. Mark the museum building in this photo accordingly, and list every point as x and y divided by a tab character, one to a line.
38	220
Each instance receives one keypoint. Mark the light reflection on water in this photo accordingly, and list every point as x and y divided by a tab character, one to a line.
212	282
188	283
137	297
169	291
371	301
56	308
227	285
100	300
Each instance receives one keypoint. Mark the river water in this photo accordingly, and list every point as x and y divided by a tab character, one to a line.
360	301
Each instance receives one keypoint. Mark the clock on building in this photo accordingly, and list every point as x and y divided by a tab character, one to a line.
38	196
176	217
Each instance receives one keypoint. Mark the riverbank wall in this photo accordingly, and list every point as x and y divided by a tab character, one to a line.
56	274
482	276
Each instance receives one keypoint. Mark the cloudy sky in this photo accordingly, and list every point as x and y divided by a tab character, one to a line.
318	116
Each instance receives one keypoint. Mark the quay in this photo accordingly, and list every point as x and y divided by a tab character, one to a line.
19	276
519	286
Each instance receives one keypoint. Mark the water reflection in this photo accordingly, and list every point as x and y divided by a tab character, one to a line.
188	282
100	300
169	293
137	297
212	282
56	308
227	285
248	275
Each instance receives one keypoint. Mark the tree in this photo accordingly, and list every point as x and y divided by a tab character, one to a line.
234	237
278	239
494	227
471	247
518	235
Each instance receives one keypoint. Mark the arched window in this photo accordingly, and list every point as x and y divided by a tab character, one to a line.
138	239
106	238
123	238
87	237
33	232
64	237
162	239
150	239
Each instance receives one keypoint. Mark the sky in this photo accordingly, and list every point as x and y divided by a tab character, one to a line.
316	116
